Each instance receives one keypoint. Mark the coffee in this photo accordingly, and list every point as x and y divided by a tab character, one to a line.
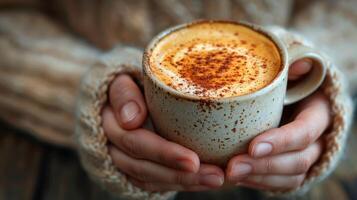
187	70
215	60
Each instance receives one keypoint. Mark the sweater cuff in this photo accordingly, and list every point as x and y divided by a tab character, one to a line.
334	87
90	137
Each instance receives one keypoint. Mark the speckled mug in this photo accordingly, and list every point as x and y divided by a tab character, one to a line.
218	129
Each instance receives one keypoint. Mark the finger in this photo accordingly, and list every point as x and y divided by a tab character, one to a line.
272	182
163	187
309	124
299	68
147	171
128	102
291	163
143	144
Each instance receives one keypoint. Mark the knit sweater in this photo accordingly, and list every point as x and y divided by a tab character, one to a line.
55	84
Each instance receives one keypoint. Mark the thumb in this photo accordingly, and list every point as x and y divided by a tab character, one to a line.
299	68
128	102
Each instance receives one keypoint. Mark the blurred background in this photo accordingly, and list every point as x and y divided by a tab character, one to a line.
46	46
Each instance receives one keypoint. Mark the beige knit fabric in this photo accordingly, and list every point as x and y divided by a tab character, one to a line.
110	22
40	68
330	23
92	140
35	52
335	87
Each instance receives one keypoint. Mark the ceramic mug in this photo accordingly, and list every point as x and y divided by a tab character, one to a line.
218	129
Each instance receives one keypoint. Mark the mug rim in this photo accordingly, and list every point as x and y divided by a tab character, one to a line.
257	28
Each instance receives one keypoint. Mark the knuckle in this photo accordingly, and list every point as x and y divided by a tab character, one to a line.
138	173
179	179
123	87
165	152
297	181
285	140
161	156
120	89
308	131
132	170
269	166
119	81
303	163
129	144
308	137
125	90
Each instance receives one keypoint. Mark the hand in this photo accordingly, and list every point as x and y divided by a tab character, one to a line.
279	158
149	161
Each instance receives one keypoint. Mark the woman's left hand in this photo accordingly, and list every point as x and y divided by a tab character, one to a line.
279	158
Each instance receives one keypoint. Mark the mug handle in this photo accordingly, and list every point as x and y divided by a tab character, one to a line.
311	81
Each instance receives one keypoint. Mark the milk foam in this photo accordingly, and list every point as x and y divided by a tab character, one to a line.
215	60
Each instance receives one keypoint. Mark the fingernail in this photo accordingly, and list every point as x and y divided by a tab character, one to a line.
185	165
240	169
211	180
129	111
262	149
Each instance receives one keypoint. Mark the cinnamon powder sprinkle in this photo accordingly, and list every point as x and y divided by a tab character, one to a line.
211	69
216	60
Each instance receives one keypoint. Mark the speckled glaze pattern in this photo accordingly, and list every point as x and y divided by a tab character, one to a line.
217	129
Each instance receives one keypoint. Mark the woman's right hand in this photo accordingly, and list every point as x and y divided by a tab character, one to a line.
149	161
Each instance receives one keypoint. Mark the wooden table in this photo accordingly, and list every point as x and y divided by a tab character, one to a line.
30	169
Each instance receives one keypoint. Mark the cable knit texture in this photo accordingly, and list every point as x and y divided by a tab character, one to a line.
92	142
335	88
37	54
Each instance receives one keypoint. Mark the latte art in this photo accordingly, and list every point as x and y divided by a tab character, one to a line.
215	60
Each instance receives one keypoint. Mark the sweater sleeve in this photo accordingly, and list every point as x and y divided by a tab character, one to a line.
91	140
44	71
40	67
335	88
